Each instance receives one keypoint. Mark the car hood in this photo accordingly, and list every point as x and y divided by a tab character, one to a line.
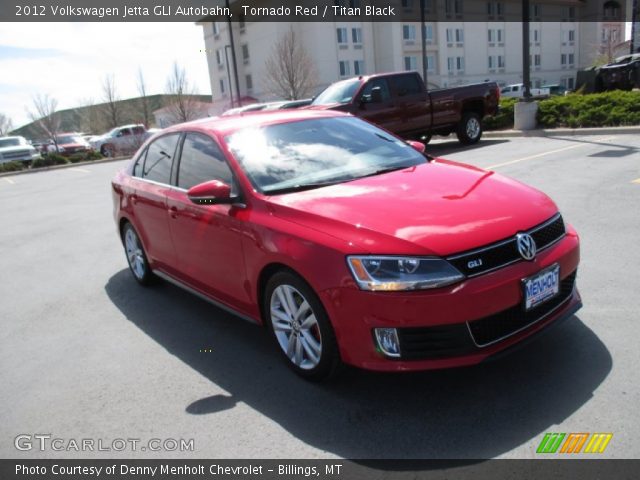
437	208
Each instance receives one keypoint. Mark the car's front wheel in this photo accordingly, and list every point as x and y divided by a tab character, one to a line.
136	257
300	326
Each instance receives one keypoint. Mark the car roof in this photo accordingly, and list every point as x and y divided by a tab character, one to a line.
228	124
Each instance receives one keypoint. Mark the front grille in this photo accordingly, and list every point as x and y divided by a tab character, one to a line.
500	254
16	154
495	327
460	339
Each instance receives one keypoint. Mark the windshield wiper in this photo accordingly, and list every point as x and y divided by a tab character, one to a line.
301	187
380	171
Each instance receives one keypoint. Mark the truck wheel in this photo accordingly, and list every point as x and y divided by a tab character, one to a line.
469	129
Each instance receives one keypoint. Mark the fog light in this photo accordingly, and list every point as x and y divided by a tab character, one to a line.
387	339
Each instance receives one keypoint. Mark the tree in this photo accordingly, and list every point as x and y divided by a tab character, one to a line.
290	71
111	99
181	104
46	117
144	99
6	125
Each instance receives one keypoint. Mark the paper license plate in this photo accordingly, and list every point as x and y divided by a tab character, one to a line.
541	287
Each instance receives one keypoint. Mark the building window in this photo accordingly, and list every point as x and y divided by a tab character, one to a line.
460	64
407	4
356	35
408	33
459	35
537	60
455	63
241	23
410	63
216	28
343	66
342	35
453	7
571	58
611	10
249	82
354	3
495	35
358	67
500	61
495	8
571	35
449	35
219	57
428	33
563	59
491	62
222	89
450	64
245	53
431	63
536	36
535	11
569	14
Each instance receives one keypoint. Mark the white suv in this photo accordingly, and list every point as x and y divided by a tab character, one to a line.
17	149
124	139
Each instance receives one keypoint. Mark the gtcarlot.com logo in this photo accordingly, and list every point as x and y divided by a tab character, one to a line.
574	443
46	441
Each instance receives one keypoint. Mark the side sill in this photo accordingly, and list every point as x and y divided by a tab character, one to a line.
204	297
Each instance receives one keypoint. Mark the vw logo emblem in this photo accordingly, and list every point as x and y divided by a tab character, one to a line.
526	246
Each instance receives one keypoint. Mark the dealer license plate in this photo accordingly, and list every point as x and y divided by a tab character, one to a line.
541	287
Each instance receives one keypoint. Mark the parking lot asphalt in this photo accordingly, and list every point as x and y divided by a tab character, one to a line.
87	353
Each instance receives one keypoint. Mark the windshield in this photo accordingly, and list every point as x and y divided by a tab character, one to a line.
317	152
10	142
70	139
341	92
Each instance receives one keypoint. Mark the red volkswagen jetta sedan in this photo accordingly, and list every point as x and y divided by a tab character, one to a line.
348	243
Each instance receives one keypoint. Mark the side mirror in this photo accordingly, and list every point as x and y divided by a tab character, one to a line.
418	146
210	193
376	95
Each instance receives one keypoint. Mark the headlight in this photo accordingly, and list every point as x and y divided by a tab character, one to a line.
402	273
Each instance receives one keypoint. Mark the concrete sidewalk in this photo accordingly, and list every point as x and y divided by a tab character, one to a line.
561	132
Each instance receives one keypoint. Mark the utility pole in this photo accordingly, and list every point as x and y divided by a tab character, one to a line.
634	32
526	66
424	43
233	57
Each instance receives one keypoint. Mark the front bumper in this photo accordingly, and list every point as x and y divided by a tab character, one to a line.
460	325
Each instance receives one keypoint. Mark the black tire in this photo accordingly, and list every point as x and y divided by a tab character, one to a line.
107	150
469	129
322	331
136	258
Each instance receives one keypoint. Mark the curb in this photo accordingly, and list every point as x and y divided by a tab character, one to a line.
561	132
61	167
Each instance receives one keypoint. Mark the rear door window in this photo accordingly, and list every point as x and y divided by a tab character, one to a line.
406	85
159	158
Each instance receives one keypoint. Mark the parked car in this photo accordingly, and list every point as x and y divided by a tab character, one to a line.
348	243
69	143
121	140
279	105
623	73
17	149
516	90
555	89
400	103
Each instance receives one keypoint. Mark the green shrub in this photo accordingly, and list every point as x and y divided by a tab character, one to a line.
93	155
84	156
48	160
606	109
504	118
12	166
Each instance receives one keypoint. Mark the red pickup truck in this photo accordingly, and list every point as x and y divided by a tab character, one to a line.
400	103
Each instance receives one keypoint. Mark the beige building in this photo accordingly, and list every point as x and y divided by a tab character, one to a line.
457	52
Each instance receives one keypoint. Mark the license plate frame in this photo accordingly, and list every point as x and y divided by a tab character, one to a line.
532	298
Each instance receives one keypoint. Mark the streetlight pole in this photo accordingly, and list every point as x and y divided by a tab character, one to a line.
226	57
233	55
634	32
526	66
424	43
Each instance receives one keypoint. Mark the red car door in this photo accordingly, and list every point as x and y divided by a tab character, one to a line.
207	238
151	183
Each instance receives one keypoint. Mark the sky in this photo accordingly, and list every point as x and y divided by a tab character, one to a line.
69	61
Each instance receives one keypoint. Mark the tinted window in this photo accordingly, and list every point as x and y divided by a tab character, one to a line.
137	168
377	82
138	130
406	84
157	165
201	160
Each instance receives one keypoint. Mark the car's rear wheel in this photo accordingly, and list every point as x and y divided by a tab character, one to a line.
107	150
470	128
300	326
136	257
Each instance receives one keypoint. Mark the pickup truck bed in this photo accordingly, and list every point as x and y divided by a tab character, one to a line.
400	103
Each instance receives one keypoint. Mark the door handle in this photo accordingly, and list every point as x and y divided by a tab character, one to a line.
173	212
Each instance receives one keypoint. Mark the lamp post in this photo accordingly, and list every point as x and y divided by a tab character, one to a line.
526	67
226	57
424	43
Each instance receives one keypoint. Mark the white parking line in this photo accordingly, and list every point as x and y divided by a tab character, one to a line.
81	170
8	180
531	157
